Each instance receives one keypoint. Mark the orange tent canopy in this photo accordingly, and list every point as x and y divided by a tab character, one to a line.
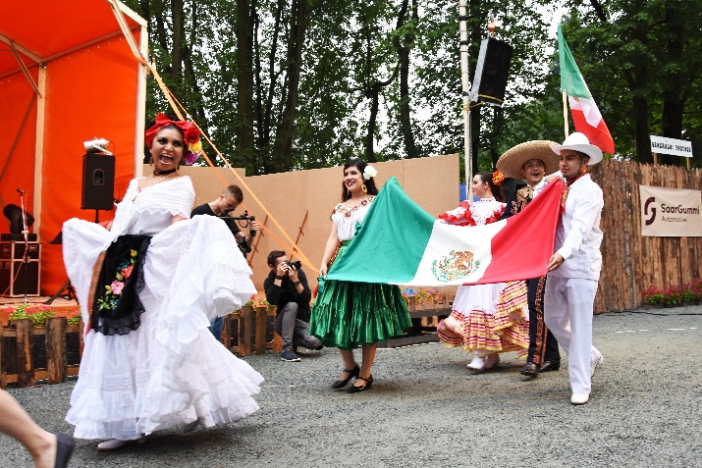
67	75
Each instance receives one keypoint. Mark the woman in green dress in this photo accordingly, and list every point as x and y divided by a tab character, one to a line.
346	313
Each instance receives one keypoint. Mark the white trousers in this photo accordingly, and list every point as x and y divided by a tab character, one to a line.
568	308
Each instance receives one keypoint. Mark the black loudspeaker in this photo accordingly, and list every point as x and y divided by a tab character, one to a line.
98	182
491	72
15	274
25	275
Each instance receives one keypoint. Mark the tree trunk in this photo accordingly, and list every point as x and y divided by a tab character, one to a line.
265	134
176	57
643	141
403	51
673	104
244	87
283	141
373	93
194	105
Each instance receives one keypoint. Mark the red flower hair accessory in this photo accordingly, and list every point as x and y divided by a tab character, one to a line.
497	178
191	136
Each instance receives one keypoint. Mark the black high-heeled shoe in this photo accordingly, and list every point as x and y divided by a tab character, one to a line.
352	373
360	388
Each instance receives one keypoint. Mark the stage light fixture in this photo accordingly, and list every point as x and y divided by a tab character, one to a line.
14	214
97	145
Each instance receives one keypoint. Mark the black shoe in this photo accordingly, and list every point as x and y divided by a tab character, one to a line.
530	371
64	449
359	388
550	366
352	373
314	344
290	356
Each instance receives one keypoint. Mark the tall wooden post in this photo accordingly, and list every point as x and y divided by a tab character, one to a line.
25	369
56	359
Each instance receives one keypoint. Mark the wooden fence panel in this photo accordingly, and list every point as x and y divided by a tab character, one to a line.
631	262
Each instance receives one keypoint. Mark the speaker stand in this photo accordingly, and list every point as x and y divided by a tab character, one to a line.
70	293
97	217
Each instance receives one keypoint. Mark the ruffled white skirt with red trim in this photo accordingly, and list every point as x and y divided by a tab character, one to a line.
490	318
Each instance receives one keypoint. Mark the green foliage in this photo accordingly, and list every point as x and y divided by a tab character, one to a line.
674	295
350	54
37	314
74	319
642	65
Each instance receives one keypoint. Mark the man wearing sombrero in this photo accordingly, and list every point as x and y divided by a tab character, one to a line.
532	161
574	269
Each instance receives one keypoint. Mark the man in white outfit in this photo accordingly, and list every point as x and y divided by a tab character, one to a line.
574	269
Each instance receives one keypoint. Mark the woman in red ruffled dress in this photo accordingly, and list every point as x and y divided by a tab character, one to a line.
486	319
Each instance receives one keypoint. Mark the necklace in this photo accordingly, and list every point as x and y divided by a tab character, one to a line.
162	173
159	177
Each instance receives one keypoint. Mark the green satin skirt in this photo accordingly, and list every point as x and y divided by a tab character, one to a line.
346	313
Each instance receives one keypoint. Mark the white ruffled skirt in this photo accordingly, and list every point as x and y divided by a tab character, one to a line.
171	370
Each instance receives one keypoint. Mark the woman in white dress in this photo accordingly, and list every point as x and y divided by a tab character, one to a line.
148	288
487	319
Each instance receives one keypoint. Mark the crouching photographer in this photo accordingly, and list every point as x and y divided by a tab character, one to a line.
287	288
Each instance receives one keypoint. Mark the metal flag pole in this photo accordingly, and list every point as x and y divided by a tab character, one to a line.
465	84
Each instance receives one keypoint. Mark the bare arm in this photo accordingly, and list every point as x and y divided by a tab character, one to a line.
329	249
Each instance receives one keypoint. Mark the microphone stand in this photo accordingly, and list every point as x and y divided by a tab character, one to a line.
25	233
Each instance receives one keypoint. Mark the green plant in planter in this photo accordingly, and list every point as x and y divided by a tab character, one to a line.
696	288
688	295
74	319
653	296
37	314
672	296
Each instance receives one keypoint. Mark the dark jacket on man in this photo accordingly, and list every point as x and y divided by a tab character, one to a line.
286	292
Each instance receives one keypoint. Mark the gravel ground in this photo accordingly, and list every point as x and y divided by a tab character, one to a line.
426	409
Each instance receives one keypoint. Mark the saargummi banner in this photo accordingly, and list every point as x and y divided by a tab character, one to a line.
667	212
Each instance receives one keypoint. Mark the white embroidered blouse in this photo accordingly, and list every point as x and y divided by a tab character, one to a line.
347	218
150	210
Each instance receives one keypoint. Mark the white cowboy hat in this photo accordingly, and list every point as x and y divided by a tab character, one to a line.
511	163
578	142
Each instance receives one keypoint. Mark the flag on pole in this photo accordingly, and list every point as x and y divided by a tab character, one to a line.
400	243
586	115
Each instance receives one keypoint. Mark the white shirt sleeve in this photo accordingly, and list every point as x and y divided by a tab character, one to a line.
583	215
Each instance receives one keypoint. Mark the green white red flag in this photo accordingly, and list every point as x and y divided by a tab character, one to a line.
586	115
400	243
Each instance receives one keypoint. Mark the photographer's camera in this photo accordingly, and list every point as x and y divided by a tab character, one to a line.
297	265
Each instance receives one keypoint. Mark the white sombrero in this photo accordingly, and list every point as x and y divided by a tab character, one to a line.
510	164
578	142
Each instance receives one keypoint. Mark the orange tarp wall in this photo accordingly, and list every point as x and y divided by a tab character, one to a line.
82	104
89	85
17	103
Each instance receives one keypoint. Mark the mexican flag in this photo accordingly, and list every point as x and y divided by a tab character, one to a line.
586	115
400	243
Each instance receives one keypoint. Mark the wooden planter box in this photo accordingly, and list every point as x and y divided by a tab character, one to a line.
53	352
251	331
29	353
